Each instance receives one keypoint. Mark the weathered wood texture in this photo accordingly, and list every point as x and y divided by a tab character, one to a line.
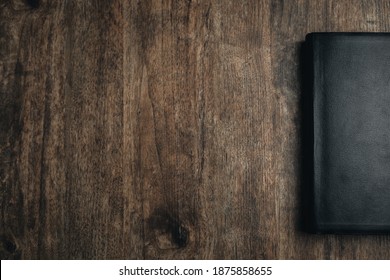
161	129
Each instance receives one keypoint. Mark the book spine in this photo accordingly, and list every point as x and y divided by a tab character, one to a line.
318	103
307	136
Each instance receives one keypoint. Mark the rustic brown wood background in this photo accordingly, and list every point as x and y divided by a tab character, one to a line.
161	129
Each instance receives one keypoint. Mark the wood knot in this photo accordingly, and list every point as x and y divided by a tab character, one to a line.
25	5
169	231
8	247
179	235
33	4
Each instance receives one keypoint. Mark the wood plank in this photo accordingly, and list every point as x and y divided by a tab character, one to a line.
239	124
67	169
162	51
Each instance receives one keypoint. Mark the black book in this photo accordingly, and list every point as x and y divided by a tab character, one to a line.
350	83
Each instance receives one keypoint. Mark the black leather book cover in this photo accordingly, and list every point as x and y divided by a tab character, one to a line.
351	132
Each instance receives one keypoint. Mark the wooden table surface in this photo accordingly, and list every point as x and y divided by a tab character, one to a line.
162	129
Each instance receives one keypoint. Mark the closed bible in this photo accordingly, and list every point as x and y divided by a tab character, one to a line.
350	86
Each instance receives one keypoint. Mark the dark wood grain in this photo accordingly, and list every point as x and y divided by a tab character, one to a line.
161	129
